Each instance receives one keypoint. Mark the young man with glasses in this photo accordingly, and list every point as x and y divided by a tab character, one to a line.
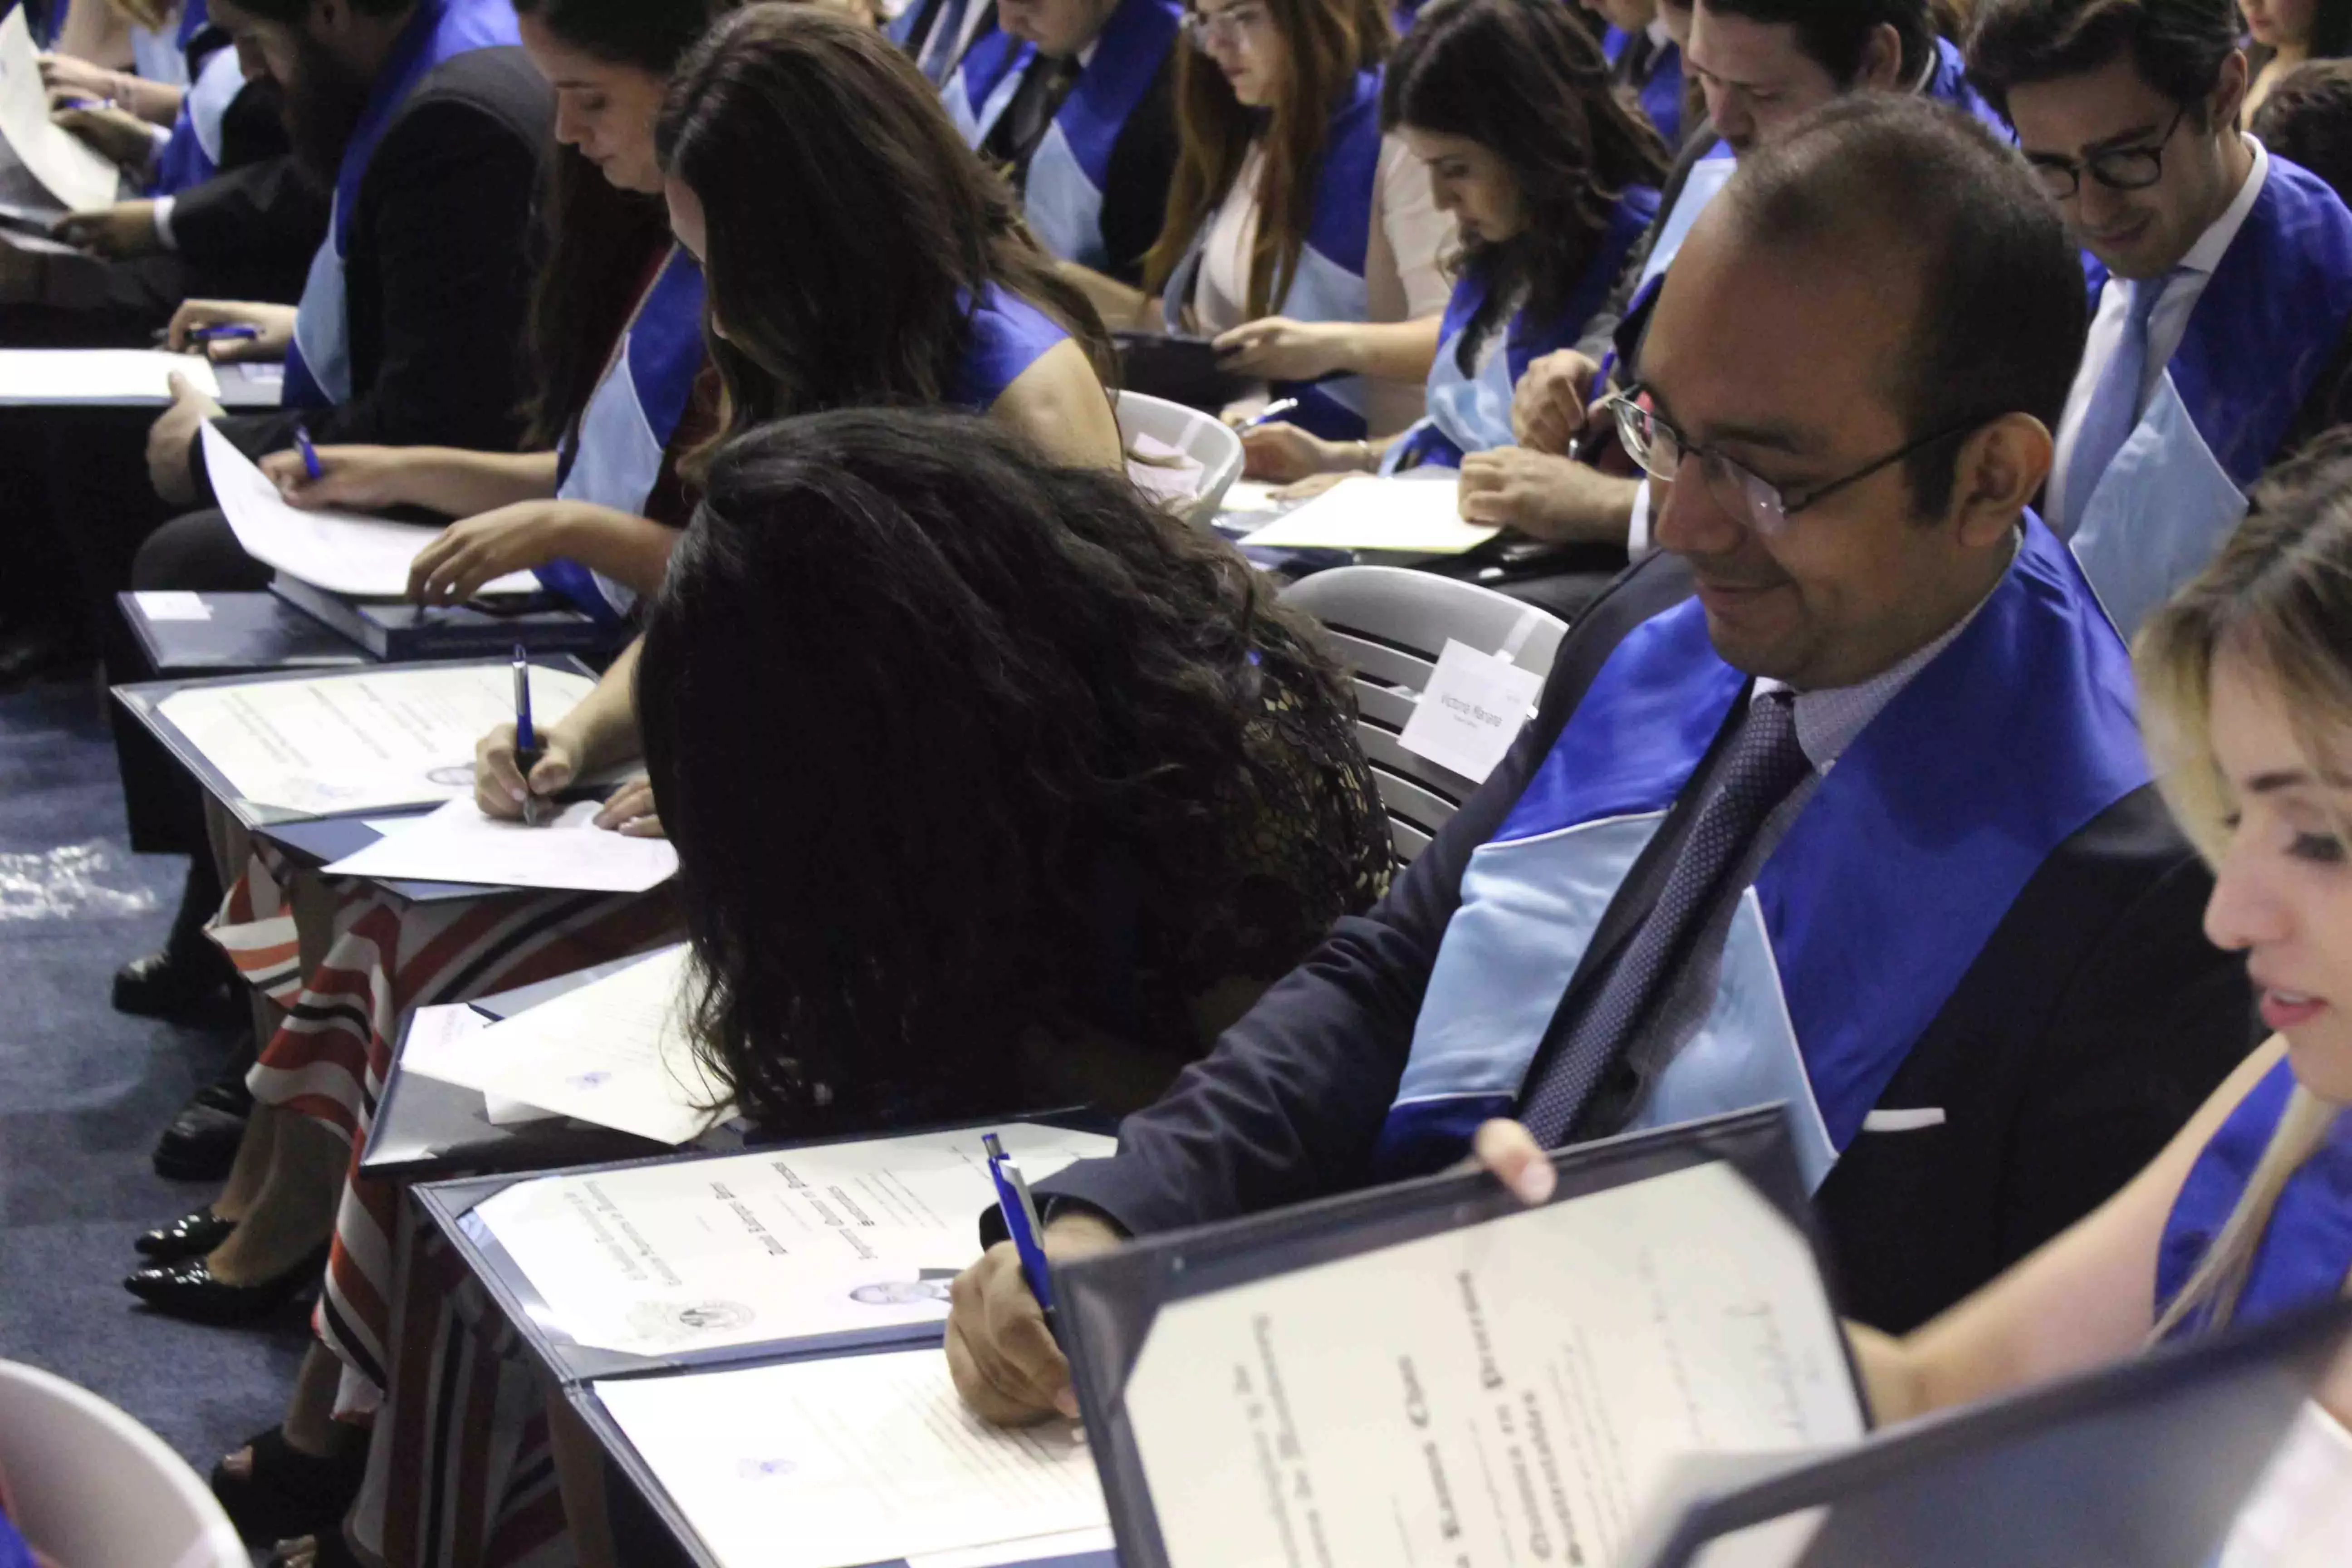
1837	801
2222	275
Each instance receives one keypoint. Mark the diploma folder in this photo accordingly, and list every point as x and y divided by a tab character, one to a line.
1109	1304
2145	1464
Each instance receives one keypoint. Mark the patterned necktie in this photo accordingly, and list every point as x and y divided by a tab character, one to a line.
1764	765
2114	411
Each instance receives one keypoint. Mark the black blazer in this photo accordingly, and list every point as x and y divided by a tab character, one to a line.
2094	1021
437	272
249	232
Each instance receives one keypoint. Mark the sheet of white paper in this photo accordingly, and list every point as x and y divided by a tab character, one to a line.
1472	709
98	375
781	1244
614	1052
1511	1392
1163	472
173	606
439	1040
61	160
458	844
1418	517
1249	494
342	552
829	1464
364	741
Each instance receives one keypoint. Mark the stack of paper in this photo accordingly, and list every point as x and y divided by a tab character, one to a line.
1416	517
342	551
100	375
74	174
618	1053
458	844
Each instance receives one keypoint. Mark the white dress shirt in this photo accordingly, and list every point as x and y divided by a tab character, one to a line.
2166	325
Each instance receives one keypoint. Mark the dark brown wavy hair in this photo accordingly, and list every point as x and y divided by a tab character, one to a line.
907	693
1525	79
850	229
1330	43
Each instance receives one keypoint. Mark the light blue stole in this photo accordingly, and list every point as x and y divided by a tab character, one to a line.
613	455
1864	918
318	365
1062	192
2270	319
1329	283
192	155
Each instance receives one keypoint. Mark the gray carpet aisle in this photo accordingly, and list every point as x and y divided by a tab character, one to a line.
84	1090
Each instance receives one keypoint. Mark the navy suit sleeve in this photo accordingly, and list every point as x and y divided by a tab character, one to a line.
1291	1102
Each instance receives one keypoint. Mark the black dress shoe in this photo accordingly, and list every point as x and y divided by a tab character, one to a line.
201	1143
190	1235
168	984
188	1290
287	1492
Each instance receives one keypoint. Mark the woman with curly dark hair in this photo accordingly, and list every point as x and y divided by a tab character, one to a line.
1551	178
992	786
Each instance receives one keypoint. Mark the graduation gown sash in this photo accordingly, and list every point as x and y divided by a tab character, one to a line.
192	153
1329	283
2272	318
1864	918
318	365
613	455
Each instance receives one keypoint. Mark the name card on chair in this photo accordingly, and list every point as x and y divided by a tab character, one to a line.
1471	711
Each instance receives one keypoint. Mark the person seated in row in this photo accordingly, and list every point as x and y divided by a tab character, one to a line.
1762	65
1297	236
2283	36
1645	58
1840	801
1074	101
1551	180
2308	121
2222	275
2247	1214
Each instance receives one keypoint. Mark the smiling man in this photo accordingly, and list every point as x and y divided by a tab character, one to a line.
2223	276
1838	801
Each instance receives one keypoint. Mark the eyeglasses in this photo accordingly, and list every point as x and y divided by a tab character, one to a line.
2118	168
1206	29
1661	450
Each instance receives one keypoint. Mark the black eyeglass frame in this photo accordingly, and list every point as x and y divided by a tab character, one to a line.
1754	488
2044	166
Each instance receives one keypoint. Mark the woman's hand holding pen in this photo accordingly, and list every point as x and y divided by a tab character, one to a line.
1000	1352
1280	349
1548	410
365	478
1283	454
273	329
465	556
499	787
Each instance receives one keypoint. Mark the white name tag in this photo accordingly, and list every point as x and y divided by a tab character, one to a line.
1472	711
173	606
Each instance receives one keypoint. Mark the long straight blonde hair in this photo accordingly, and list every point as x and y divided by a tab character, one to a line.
2279	600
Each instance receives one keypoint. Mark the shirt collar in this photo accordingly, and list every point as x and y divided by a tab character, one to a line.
1659	36
2214	243
1828	719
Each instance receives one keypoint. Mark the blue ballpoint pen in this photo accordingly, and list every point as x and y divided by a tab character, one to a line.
234	332
310	465
1021	1219
528	751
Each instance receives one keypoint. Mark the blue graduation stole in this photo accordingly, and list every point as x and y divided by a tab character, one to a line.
1863	920
1472	413
1063	191
1328	285
318	365
2305	1250
2270	321
613	455
192	153
1661	96
1007	334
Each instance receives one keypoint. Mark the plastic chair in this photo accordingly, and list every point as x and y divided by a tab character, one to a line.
1388	626
94	1488
1202	438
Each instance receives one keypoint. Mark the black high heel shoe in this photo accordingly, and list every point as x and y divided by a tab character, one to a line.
288	1493
188	1290
190	1235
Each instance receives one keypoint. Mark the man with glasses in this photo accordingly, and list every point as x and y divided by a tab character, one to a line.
2223	276
1837	801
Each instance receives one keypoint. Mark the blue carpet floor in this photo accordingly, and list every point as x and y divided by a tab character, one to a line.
84	1090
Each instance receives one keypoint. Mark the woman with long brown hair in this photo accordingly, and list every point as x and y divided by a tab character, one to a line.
1301	238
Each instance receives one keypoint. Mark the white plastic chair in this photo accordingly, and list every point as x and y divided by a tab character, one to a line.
1202	438
94	1488
1388	625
